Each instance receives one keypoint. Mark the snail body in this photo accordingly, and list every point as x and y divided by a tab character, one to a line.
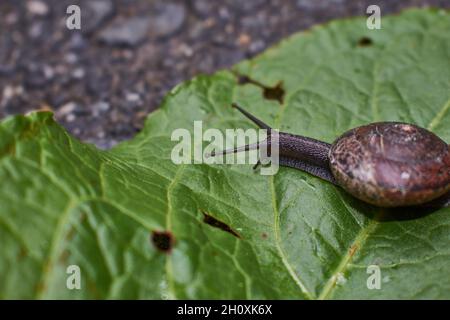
387	164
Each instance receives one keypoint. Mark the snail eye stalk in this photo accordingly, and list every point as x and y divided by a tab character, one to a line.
257	121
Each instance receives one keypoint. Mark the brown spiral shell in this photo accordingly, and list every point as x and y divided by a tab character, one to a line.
391	164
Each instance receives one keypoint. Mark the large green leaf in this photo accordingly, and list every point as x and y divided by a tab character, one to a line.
66	203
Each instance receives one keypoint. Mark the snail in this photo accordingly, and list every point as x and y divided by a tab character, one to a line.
386	164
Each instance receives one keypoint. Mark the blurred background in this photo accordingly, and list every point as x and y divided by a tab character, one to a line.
102	81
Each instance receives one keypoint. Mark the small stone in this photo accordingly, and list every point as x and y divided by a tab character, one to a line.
210	22
95	13
229	28
36	30
99	107
305	4
37	7
204	8
11	18
38	75
78	73
257	46
9	93
12	91
71	58
70	117
77	42
130	32
244	39
45	107
247	6
66	109
132	97
98	84
48	72
186	50
6	70
224	13
166	18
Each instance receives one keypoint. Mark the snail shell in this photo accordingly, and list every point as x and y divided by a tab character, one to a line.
391	164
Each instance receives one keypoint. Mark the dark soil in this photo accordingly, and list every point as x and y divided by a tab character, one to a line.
101	81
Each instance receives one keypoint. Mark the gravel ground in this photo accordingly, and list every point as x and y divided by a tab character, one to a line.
101	81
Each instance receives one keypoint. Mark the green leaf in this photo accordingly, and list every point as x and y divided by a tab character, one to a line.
291	235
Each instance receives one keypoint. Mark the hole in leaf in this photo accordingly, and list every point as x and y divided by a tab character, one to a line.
270	93
275	93
162	240
23	253
213	222
365	42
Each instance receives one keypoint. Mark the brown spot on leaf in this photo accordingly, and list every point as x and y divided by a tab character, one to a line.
276	92
244	80
40	287
63	257
22	253
70	234
92	288
9	149
82	217
352	250
29	131
365	42
162	240
213	222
